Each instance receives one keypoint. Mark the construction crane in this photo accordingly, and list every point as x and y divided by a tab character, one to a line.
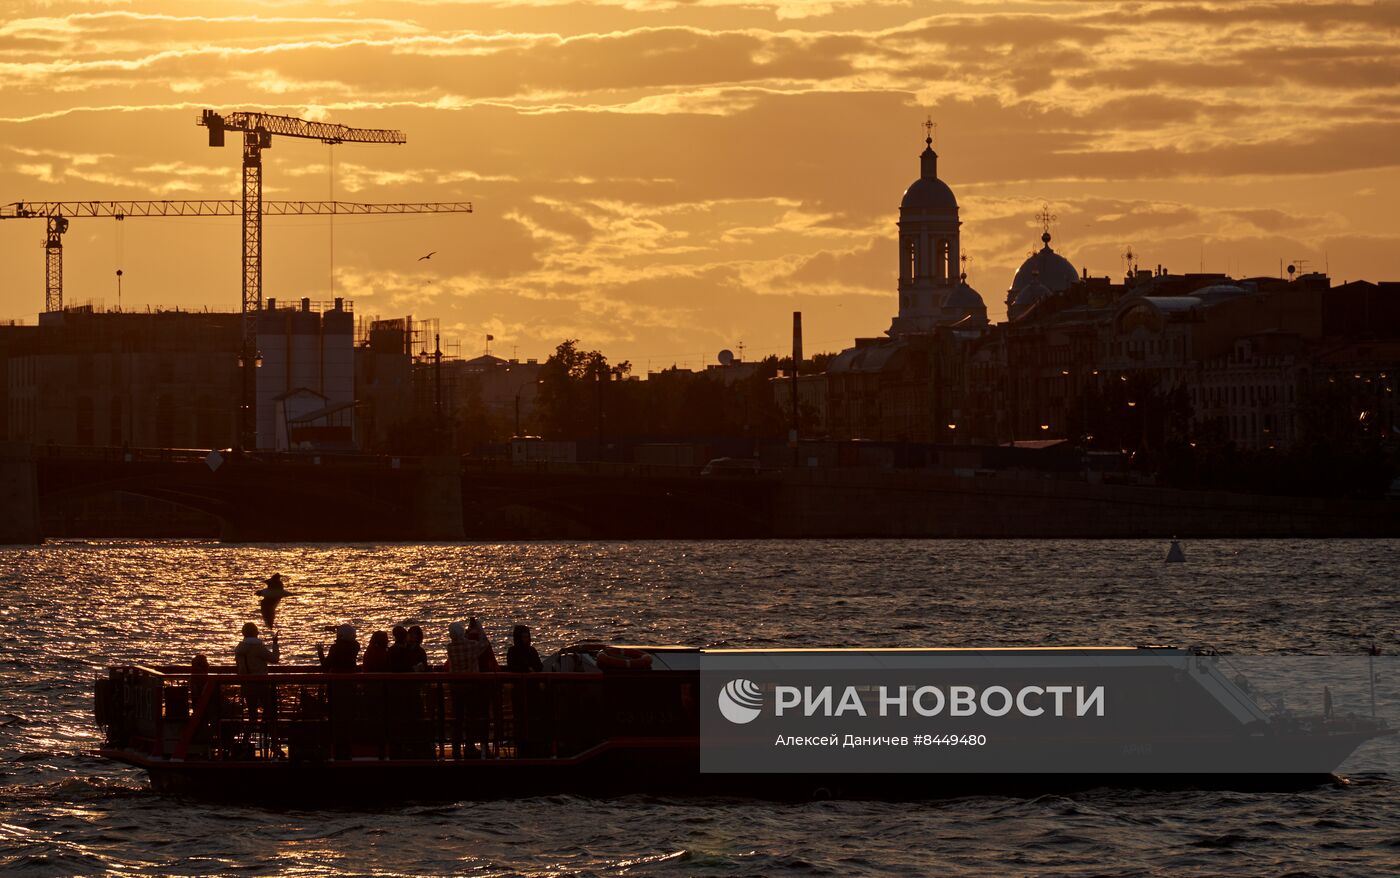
57	214
258	129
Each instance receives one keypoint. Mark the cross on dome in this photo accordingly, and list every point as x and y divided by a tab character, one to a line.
1045	218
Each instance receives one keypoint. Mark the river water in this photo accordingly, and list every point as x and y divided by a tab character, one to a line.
68	609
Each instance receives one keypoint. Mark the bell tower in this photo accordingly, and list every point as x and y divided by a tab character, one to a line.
929	248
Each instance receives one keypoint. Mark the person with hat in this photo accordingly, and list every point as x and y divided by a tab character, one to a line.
486	654
271	597
251	657
343	652
469	652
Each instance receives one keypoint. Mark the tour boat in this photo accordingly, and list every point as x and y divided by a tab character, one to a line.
610	720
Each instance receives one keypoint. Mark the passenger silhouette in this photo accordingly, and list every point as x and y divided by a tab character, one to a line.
486	655
399	654
199	677
376	656
468	650
522	657
417	657
343	653
251	657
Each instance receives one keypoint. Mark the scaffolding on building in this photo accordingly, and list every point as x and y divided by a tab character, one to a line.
436	372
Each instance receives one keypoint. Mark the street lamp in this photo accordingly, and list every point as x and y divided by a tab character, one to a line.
249	361
519	390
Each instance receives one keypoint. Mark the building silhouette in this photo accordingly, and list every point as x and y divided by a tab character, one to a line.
171	379
156	379
1154	358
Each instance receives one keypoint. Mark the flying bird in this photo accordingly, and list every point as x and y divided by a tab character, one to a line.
429	256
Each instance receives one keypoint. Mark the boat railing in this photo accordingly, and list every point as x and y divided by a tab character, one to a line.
306	714
1239	684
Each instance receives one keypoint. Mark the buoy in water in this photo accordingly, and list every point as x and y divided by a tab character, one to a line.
1174	554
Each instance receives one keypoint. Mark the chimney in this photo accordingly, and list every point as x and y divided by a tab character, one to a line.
271	304
305	304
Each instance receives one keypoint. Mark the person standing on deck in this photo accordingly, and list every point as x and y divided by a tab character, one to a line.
399	654
417	656
522	657
376	656
485	655
468	650
252	657
343	652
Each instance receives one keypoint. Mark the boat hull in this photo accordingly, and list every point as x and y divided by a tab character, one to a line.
305	736
659	771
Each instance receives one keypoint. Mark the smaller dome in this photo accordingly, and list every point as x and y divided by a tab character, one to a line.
964	297
1027	296
1050	268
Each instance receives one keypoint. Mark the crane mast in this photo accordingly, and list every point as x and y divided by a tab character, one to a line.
53	263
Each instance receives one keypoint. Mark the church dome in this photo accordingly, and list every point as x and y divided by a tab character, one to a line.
928	192
1023	299
964	297
1050	268
963	307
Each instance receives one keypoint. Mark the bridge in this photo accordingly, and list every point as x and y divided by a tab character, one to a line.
302	497
308	497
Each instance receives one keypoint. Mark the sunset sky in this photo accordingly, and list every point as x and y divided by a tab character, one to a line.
663	179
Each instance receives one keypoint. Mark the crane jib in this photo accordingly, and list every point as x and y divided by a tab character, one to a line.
219	207
268	124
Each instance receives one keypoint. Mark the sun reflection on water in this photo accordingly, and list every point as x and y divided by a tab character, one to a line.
69	609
